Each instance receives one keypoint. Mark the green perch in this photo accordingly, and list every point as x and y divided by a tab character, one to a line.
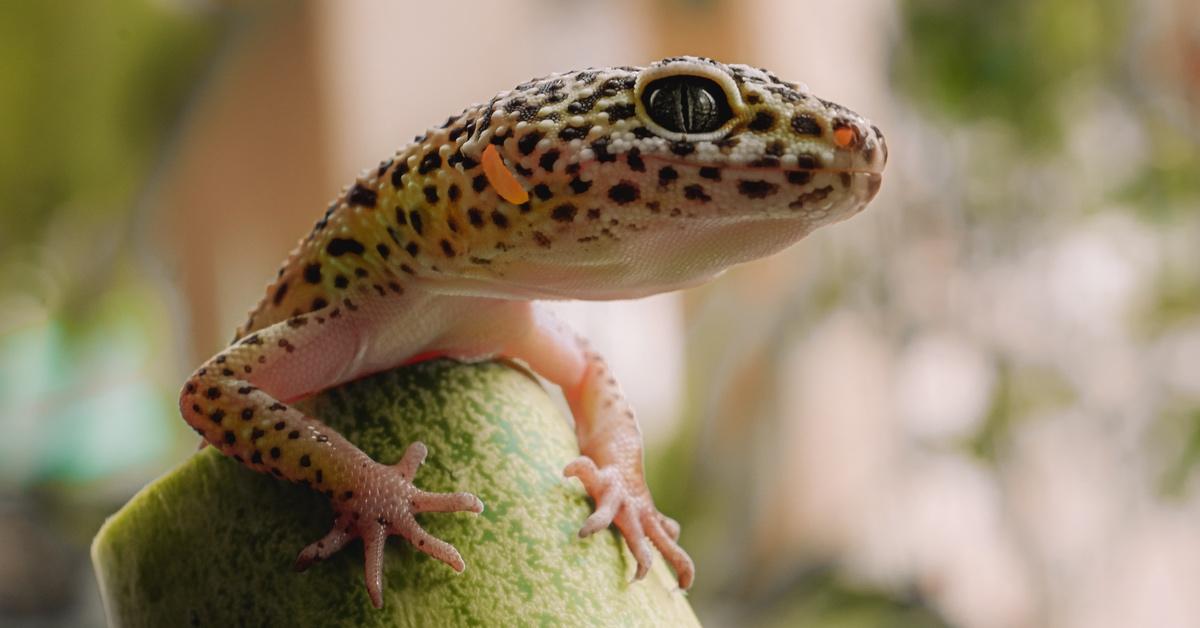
211	543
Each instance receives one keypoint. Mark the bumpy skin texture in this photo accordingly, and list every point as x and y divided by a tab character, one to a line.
424	257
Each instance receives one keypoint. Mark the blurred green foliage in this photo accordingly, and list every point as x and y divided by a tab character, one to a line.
819	597
1178	434
1022	64
1007	59
1014	61
1170	182
91	90
1176	299
1021	392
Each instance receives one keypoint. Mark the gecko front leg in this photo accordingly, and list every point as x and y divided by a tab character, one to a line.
233	402
610	442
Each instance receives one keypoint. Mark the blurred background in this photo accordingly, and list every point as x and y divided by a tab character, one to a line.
975	404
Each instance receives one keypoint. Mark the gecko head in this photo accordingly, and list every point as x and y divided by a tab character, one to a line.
647	179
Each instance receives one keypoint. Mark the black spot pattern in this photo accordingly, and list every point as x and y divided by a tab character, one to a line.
361	195
564	213
569	133
799	177
624	193
666	175
620	111
756	188
804	124
600	149
579	186
696	193
400	171
430	162
763	121
312	273
816	195
765	162
583	105
634	158
338	247
682	148
529	142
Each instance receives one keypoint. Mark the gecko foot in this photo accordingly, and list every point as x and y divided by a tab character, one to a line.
628	503
383	503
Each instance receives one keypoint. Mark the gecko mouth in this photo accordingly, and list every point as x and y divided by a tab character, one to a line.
806	165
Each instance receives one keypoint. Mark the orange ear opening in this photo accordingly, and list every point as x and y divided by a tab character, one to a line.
501	178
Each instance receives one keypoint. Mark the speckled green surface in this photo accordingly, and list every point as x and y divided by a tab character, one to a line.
212	544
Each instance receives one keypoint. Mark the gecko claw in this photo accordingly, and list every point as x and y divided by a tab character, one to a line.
627	503
383	503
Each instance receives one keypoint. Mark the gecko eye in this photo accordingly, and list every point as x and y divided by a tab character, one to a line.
687	104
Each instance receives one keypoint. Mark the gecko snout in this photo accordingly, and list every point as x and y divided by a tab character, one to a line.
859	145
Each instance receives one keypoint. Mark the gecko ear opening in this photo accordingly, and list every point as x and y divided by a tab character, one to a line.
501	178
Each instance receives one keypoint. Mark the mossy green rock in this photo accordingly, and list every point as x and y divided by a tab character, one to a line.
212	544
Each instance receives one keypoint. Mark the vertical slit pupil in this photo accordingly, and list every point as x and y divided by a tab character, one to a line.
683	109
687	104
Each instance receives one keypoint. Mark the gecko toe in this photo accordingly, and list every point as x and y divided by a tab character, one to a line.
425	542
606	509
676	557
413	458
328	545
445	502
585	469
382	502
627	504
373	544
670	526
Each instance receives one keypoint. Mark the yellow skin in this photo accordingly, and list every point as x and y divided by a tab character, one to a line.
588	194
